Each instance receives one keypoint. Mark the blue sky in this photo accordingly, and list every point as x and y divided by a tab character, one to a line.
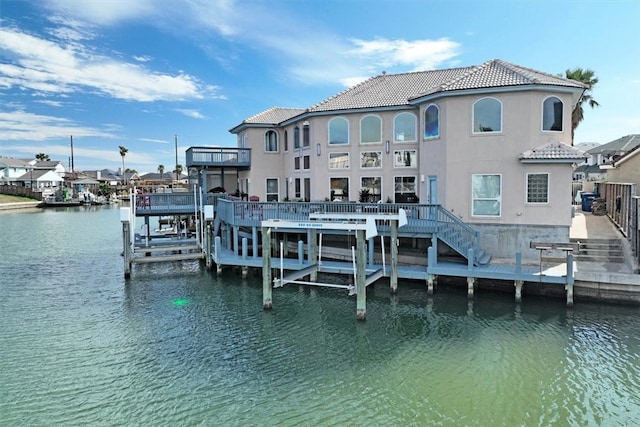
138	73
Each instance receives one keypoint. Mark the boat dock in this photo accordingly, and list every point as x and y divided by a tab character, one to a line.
235	233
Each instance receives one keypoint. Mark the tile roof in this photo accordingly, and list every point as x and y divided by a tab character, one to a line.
553	152
11	162
274	115
619	146
389	90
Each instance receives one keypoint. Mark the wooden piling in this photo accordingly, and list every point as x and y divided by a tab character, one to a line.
361	290
393	279
267	301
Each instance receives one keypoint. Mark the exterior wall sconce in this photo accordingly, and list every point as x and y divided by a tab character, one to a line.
318	150
387	146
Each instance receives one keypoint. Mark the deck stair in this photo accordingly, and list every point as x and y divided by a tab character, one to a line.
599	250
461	238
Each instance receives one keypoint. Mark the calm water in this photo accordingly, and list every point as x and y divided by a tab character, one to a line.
176	345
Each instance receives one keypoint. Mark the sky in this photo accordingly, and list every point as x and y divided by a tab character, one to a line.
153	75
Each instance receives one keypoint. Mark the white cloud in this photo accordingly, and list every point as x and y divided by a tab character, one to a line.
191	113
155	141
418	54
46	66
23	126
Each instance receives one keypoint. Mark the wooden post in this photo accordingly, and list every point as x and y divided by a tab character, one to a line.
267	301
207	245
471	281
431	281
217	246
126	240
518	284
312	250
570	279
361	297
394	257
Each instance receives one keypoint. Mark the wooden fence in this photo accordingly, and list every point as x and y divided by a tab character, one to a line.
623	207
15	190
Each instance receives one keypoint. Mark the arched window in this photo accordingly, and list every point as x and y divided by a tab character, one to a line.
552	114
370	130
404	127
432	122
338	131
296	137
271	141
487	115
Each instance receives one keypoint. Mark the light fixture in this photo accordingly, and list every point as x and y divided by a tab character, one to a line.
387	146
318	149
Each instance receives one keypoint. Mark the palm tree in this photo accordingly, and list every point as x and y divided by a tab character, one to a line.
590	80
123	152
178	172
161	170
41	157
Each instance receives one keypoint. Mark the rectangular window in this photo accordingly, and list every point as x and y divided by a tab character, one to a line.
272	190
372	186
307	162
371	159
298	195
339	189
306	137
486	193
405	190
296	163
405	159
538	188
286	141
338	160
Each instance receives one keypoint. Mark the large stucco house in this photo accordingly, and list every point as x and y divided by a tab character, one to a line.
490	143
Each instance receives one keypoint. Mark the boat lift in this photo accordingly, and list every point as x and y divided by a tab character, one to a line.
364	224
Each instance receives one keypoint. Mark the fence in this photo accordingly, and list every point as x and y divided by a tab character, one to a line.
15	190
634	230
623	207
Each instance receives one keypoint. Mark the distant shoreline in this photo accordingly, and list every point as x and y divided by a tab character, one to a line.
19	205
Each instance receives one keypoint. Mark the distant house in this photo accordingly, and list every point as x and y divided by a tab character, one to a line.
52	165
490	143
609	152
625	168
40	179
11	169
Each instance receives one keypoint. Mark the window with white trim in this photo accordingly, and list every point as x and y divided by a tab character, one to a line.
404	127
374	186
487	115
338	160
271	141
296	137
405	159
306	135
486	194
286	140
297	189
339	189
370	130
405	189
552	114
272	190
338	131
538	188
371	159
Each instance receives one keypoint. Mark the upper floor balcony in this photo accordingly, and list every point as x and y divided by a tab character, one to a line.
239	158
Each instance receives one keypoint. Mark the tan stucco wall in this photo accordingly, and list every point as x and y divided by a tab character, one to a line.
628	171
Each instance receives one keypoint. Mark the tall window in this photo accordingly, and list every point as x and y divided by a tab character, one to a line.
487	115
296	163
486	194
271	141
297	192
370	130
338	160
296	137
432	122
306	162
272	189
404	127
338	131
538	188
374	186
552	114
339	189
405	189
306	137
286	140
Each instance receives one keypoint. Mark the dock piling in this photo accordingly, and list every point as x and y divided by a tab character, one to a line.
267	301
361	276
125	218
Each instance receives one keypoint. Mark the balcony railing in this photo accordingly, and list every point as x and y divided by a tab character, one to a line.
218	157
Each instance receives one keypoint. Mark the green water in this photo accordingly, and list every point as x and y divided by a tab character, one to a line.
178	346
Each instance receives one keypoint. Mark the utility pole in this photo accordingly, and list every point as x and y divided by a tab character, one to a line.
177	178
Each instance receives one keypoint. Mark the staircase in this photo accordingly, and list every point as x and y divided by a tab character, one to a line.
460	237
599	250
